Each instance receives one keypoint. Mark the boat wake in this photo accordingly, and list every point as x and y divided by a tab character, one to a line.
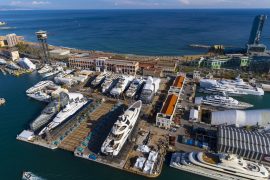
7	28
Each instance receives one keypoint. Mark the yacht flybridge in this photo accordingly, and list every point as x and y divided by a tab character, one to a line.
121	130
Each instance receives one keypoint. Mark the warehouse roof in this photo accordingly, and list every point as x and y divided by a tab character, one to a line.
178	82
169	105
243	139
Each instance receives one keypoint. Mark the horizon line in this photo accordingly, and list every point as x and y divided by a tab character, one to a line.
214	8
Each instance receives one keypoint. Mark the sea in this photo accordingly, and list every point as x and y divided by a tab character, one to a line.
147	32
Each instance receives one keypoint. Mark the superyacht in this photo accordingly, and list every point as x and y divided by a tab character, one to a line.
109	83
121	85
76	102
46	68
121	130
39	86
99	79
219	166
40	96
50	110
222	101
134	87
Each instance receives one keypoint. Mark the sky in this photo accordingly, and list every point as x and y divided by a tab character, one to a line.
131	4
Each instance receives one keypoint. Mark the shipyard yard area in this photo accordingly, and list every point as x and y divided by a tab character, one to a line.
84	132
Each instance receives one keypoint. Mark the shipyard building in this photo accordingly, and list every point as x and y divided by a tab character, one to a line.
164	119
251	145
104	63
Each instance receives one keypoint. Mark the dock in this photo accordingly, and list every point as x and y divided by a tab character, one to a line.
72	141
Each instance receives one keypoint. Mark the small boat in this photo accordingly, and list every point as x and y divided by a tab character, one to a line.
2	23
30	176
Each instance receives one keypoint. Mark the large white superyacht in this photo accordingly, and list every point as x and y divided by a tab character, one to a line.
219	166
109	83
222	101
134	87
77	101
49	111
39	86
231	87
121	85
46	68
121	130
40	96
99	79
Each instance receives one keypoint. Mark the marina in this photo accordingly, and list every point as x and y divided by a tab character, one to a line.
131	112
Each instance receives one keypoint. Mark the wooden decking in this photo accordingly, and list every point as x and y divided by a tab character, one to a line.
77	136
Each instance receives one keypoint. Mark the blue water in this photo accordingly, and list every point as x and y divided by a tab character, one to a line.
149	32
166	32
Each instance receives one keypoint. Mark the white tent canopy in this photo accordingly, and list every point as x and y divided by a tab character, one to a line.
241	118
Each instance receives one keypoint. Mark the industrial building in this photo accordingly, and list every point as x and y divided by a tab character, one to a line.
10	40
251	145
164	119
113	65
240	118
228	61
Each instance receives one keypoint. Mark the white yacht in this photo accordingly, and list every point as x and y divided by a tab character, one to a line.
222	101
3	62
49	111
109	83
46	68
221	165
2	23
76	102
40	96
150	89
39	86
134	87
231	87
121	130
222	89
53	72
98	80
121	85
30	176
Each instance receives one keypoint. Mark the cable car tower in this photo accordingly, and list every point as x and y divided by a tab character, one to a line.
42	38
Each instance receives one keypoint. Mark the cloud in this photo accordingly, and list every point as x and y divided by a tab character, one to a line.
40	2
14	3
185	2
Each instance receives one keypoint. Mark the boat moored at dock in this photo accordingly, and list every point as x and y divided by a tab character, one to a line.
230	87
219	166
76	102
222	101
121	130
39	86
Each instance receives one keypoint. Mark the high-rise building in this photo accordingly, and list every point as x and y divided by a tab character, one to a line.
256	31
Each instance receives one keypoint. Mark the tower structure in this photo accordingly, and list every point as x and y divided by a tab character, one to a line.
42	38
256	31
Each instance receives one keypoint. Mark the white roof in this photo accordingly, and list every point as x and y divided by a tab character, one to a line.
143	148
26	134
153	156
241	118
194	114
140	162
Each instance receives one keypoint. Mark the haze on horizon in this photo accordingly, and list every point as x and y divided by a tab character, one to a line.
131	4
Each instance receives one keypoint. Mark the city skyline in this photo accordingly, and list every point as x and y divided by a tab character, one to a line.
132	4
